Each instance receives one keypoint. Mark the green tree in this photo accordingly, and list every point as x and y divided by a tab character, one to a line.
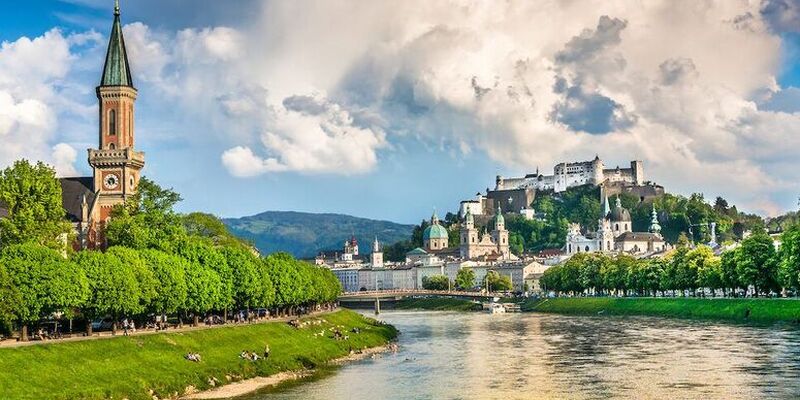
435	282
465	279
169	271
496	282
46	282
113	287
246	278
708	267
730	277
32	195
789	257
211	227
145	280
147	219
198	250
203	290
9	297
756	263
266	289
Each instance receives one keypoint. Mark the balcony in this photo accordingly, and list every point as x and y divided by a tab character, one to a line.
116	157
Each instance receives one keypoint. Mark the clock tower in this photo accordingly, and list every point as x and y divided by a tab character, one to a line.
117	166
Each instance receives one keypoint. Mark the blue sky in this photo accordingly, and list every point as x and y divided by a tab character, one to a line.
389	110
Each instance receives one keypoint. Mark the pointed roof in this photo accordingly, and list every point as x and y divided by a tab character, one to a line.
116	71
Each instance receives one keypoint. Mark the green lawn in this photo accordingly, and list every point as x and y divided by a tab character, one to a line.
437	304
760	310
130	367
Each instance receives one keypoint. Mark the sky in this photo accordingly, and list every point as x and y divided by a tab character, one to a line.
388	110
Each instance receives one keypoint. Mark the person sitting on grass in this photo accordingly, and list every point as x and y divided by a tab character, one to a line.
195	357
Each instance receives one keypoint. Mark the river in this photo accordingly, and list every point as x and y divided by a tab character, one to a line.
531	356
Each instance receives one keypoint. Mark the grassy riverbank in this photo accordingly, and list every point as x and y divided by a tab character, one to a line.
437	304
744	310
134	367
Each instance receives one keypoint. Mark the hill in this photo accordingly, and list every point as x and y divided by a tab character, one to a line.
305	234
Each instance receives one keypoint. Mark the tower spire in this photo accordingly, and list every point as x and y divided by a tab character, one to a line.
116	71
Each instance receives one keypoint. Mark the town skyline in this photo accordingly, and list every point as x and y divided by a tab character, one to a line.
268	128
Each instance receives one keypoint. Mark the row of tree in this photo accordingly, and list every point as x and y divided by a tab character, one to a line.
754	267
36	282
158	262
465	280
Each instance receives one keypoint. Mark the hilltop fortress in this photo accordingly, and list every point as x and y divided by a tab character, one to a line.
516	194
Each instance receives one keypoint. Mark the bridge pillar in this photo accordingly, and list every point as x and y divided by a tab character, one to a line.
377	306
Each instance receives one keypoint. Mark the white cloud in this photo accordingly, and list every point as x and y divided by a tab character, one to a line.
32	96
529	84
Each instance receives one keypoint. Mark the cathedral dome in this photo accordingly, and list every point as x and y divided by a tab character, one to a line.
435	232
619	213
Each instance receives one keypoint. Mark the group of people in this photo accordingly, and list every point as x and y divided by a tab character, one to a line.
128	326
252	356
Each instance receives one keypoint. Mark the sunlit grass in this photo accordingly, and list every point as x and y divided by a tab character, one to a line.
130	367
755	310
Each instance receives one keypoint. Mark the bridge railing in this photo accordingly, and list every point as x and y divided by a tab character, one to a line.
413	292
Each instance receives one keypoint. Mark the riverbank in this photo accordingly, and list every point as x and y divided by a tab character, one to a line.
741	310
141	367
437	304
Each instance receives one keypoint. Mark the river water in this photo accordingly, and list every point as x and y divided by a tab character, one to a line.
533	356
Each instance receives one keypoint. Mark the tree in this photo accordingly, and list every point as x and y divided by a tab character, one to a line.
246	279
170	272
145	280
707	266
9	297
756	263
32	195
210	227
730	278
46	282
465	279
789	257
266	289
203	289
147	219
113	287
496	282
435	282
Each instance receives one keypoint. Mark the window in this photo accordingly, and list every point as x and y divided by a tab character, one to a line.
626	227
616	227
587	248
112	122
569	249
111	146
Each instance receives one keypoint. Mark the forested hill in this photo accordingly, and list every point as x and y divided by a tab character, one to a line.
305	234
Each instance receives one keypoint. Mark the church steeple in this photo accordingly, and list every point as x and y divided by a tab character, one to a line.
116	71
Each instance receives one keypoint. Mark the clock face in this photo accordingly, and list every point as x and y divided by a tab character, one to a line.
111	181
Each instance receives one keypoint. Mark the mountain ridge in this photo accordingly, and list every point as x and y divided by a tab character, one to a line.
304	234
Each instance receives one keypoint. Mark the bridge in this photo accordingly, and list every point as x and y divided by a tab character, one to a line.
372	298
400	293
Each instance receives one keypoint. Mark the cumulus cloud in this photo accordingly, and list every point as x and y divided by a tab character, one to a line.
32	97
680	85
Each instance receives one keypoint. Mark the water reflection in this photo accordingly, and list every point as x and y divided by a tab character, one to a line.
524	356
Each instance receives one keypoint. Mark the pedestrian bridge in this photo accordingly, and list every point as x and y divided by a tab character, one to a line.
400	293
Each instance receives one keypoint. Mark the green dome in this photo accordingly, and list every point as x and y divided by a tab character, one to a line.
435	232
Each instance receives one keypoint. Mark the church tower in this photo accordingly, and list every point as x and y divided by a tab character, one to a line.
376	257
500	234
469	236
117	166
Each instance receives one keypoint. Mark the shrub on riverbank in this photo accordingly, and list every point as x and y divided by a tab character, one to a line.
130	367
437	304
745	310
